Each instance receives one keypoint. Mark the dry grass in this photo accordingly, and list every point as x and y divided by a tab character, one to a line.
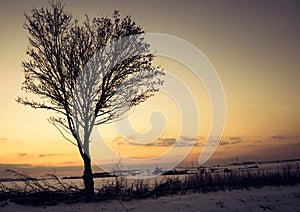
52	190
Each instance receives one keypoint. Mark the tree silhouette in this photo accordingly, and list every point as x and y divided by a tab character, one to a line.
88	73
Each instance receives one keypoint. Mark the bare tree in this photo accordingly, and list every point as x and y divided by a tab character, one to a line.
88	73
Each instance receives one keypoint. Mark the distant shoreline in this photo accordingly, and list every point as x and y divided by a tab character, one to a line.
177	171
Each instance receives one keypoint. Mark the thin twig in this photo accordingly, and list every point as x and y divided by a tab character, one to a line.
61	132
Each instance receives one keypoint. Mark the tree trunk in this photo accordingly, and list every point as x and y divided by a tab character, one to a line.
88	176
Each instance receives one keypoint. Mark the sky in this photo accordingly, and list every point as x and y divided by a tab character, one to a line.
254	47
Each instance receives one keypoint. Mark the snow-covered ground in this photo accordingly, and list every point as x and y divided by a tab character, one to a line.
269	198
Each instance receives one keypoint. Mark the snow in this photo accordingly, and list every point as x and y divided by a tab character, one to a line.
269	198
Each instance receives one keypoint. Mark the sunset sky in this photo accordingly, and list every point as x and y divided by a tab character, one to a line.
253	45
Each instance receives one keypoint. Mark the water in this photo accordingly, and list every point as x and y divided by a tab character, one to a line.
101	182
98	182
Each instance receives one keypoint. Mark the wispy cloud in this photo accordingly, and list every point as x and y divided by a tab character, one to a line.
235	138
22	154
159	142
49	155
223	142
6	140
284	137
228	141
68	163
183	141
187	138
163	142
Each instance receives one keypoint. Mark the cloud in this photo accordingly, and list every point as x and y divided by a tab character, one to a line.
187	138
183	141
279	137
159	142
22	154
68	163
223	142
235	142
235	138
227	141
284	137
49	155
6	141
3	140
163	142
